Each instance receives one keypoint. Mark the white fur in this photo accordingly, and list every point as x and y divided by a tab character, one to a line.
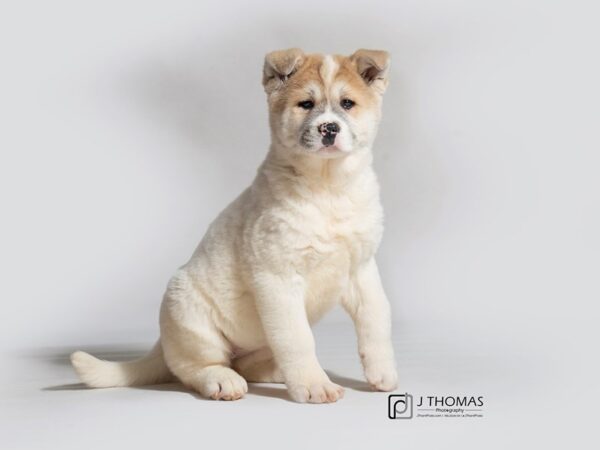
149	369
328	69
299	240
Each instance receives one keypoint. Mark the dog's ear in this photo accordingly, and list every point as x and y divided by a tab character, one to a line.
279	66
373	66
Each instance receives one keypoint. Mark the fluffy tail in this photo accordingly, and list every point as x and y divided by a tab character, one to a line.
149	369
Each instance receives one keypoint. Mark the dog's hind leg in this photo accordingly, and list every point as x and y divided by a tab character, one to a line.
259	367
195	350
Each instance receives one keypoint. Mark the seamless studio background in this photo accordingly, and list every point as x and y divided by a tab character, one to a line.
127	126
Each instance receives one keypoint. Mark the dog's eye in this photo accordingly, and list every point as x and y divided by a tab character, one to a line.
307	104
347	103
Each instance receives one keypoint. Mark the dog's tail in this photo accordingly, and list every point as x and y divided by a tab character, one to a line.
149	369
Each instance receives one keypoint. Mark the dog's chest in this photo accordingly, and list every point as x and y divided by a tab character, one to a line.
338	233
337	236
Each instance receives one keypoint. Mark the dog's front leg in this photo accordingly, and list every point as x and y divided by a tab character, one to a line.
369	308
280	304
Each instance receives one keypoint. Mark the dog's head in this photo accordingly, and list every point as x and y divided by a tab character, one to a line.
324	105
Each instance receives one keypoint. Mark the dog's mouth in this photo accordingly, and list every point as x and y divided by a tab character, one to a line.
328	145
330	150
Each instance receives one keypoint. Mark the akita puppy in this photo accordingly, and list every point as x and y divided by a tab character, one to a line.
299	240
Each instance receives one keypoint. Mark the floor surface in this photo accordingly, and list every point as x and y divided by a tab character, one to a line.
44	406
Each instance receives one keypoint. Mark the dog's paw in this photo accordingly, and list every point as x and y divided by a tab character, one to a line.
382	376
321	392
223	383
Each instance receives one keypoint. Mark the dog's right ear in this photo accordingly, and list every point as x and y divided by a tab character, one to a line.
279	66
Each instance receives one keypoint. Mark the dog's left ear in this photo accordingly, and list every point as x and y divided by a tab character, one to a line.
279	66
373	66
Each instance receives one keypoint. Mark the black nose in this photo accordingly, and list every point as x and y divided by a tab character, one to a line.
329	128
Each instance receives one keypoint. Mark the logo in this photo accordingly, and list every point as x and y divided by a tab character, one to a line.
400	406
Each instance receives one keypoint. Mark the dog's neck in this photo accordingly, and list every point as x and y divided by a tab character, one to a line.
310	171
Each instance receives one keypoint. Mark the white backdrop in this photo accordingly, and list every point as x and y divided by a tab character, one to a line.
127	126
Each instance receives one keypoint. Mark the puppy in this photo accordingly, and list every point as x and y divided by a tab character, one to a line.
299	240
